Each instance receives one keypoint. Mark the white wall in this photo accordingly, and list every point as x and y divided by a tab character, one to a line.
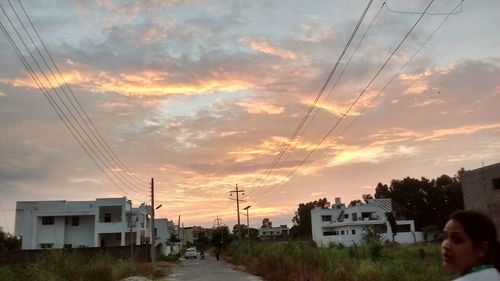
81	235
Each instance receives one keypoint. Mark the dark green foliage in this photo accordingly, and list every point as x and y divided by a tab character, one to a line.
302	218
428	202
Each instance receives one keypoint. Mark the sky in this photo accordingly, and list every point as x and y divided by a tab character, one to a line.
202	95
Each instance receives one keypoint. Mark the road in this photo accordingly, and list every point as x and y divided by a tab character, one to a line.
209	270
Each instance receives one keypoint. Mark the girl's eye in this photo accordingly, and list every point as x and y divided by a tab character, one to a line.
456	239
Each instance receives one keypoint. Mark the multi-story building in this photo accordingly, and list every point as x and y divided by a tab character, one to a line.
192	233
269	232
481	190
100	223
346	226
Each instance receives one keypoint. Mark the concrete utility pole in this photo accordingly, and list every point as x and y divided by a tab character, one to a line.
131	239
237	206
248	227
153	252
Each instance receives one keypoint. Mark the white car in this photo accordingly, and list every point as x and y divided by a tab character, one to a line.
191	253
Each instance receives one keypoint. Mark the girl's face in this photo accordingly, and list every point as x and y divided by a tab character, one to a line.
457	251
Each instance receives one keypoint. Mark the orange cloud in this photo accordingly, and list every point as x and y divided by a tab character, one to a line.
258	108
264	47
146	83
464	130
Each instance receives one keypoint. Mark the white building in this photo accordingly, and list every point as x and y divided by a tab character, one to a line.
346	226
100	223
271	232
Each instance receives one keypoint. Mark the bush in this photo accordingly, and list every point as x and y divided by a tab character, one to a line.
375	249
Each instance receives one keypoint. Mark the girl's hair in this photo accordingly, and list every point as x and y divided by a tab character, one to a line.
480	228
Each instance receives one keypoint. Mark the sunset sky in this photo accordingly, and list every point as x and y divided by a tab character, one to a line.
202	95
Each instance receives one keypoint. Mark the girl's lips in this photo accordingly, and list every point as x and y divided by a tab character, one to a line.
447	258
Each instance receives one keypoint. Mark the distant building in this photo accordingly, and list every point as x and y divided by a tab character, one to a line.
269	232
72	224
192	233
481	190
346	226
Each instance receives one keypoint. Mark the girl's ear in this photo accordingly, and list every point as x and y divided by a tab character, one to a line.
482	249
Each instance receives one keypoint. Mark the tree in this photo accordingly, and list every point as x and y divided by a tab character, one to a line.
302	218
9	242
221	237
354	202
428	202
366	197
266	223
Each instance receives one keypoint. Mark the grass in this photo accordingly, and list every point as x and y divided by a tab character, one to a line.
60	266
373	262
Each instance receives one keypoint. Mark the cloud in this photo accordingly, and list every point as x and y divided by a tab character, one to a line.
258	108
266	48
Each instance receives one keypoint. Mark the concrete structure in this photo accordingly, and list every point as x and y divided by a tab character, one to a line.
100	223
346	226
481	190
164	229
273	232
192	233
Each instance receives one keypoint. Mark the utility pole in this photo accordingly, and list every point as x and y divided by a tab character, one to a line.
153	252
238	206
131	238
248	227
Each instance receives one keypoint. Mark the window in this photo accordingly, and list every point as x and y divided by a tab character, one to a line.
353	231
328	233
47	220
75	221
342	232
68	246
107	217
404	228
496	183
346	216
355	216
335	232
326	218
380	228
46	245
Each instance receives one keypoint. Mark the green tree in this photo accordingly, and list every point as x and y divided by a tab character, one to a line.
9	242
302	218
221	237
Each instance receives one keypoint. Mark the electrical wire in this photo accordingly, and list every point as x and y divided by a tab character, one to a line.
302	122
60	112
356	100
78	121
418	13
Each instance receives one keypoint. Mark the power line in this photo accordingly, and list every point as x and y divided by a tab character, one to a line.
104	143
99	149
357	98
302	122
60	112
460	4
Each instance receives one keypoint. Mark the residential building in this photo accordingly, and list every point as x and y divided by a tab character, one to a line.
346	226
268	232
100	223
192	233
481	190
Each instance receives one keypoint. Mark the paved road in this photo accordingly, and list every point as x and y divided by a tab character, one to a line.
208	270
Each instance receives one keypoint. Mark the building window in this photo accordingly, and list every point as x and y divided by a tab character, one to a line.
107	217
46	245
75	221
342	232
496	183
47	220
355	216
404	228
346	216
68	246
326	218
353	231
328	233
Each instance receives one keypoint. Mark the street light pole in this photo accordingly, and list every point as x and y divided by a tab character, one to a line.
248	228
